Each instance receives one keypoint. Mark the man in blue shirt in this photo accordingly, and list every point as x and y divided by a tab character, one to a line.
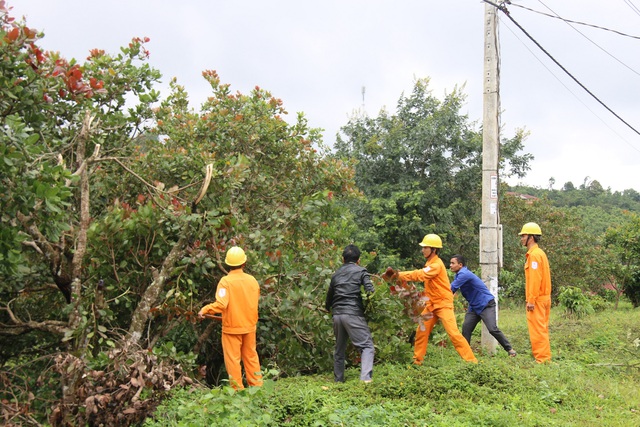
482	304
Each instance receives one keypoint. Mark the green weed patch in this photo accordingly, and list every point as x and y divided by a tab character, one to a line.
593	380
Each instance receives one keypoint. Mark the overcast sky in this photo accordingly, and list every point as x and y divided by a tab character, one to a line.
318	55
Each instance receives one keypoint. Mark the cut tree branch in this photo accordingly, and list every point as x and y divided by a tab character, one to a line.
20	327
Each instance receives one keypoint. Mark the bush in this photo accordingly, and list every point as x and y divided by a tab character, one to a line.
598	303
608	295
511	285
390	325
218	406
593	381
575	302
632	289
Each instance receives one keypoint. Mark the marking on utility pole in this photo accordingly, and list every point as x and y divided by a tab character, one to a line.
494	186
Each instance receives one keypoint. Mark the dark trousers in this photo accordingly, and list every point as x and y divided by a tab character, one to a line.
488	316
355	328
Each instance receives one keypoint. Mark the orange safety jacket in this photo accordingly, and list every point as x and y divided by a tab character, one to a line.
237	298
436	283
537	275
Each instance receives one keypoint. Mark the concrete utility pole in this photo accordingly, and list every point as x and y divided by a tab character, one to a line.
490	229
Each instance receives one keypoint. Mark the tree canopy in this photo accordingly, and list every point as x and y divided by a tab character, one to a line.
624	241
420	170
119	208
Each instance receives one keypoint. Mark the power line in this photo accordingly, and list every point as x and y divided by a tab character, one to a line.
569	89
503	9
551	71
566	20
633	7
594	43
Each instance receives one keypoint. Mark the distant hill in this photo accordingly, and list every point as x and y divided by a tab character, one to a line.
588	194
598	208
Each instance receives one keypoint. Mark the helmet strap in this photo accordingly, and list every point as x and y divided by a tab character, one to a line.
432	252
529	236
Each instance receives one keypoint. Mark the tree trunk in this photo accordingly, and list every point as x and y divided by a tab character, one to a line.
153	291
75	369
80	249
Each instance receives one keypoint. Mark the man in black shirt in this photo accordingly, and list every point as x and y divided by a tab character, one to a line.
344	300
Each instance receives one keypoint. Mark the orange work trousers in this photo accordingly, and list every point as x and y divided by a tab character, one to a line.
538	323
448	319
236	347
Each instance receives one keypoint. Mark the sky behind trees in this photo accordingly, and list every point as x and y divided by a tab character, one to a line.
318	56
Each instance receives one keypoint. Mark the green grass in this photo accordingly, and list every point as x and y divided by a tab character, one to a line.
594	380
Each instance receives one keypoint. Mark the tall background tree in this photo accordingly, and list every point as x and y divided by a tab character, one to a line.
586	234
577	257
624	241
420	170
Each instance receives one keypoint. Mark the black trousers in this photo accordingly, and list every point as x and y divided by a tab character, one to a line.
488	316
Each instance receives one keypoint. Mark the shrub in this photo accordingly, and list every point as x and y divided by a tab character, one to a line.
598	303
632	289
575	302
593	381
608	295
511	285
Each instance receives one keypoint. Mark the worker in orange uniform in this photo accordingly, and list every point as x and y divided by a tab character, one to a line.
538	292
237	298
440	305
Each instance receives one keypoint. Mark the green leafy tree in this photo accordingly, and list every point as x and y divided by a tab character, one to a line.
270	188
589	194
624	240
576	256
118	215
59	119
420	172
597	219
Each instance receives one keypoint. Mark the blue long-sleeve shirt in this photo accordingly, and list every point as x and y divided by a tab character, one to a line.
473	290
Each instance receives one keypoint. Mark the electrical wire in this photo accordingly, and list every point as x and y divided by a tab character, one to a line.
592	42
633	7
549	70
504	10
569	89
566	20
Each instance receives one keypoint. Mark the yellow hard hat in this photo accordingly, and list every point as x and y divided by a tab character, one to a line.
432	241
531	228
235	257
